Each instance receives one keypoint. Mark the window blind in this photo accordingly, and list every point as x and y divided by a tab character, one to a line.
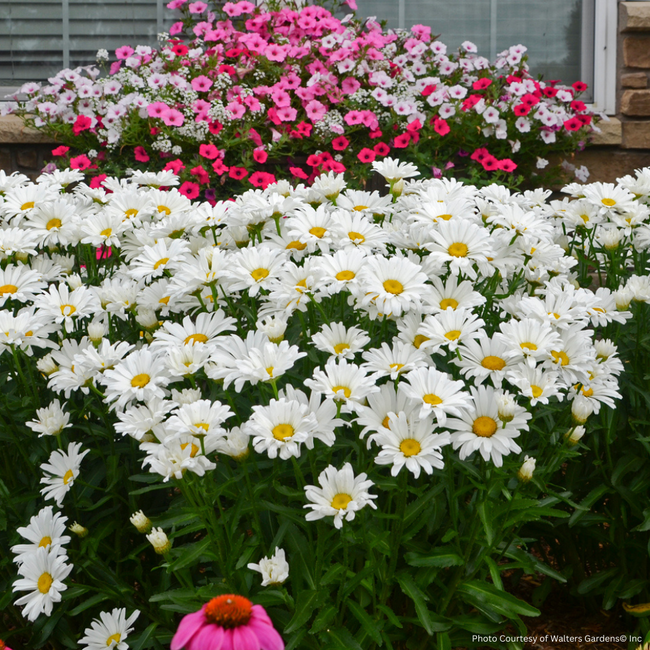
558	33
39	37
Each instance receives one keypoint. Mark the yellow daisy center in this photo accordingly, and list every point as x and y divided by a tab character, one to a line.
493	363
445	303
193	449
27	206
107	232
341	500
114	638
346	391
340	347
444	217
458	249
432	399
356	237
298	245
608	202
386	423
164	208
259	274
282	431
67	477
317	231
359	208
44	583
484	426
45	541
453	335
410	447
68	310
202	425
164	300
536	390
195	338
561	357
527	345
141	380
393	286
8	288
131	212
344	276
160	262
419	340
53	223
589	392
396	366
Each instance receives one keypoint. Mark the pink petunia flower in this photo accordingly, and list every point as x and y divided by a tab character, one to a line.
157	109
287	114
82	123
124	52
366	155
208	151
315	110
260	155
189	189
219	168
176	28
202	83
340	144
60	151
172	117
238	173
80	162
277	53
174	165
141	154
197	7
262	179
200	173
507	165
227	621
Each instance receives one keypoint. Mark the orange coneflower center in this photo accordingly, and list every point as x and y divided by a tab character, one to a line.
229	611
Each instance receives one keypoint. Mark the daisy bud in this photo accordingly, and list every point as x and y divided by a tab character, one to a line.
525	472
21	257
186	396
235	444
273	327
79	530
147	318
574	435
623	298
397	187
96	332
581	409
610	238
140	521
274	569
506	404
604	349
47	365
74	281
159	541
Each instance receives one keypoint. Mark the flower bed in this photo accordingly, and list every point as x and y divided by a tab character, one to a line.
251	89
367	400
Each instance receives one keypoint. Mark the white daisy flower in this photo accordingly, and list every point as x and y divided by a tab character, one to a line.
51	420
45	530
340	495
42	576
435	392
280	428
481	429
274	569
342	381
449	328
60	472
393	361
411	444
342	342
140	376
19	283
109	631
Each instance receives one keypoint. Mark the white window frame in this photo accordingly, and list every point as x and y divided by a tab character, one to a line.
604	48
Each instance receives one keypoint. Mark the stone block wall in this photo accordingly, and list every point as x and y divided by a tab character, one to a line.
633	71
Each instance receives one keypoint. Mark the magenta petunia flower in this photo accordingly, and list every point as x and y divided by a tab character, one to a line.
227	622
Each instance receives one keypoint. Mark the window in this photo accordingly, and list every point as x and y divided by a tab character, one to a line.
40	37
566	39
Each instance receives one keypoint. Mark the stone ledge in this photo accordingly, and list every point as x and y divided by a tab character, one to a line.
13	131
634	16
611	133
634	80
606	165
